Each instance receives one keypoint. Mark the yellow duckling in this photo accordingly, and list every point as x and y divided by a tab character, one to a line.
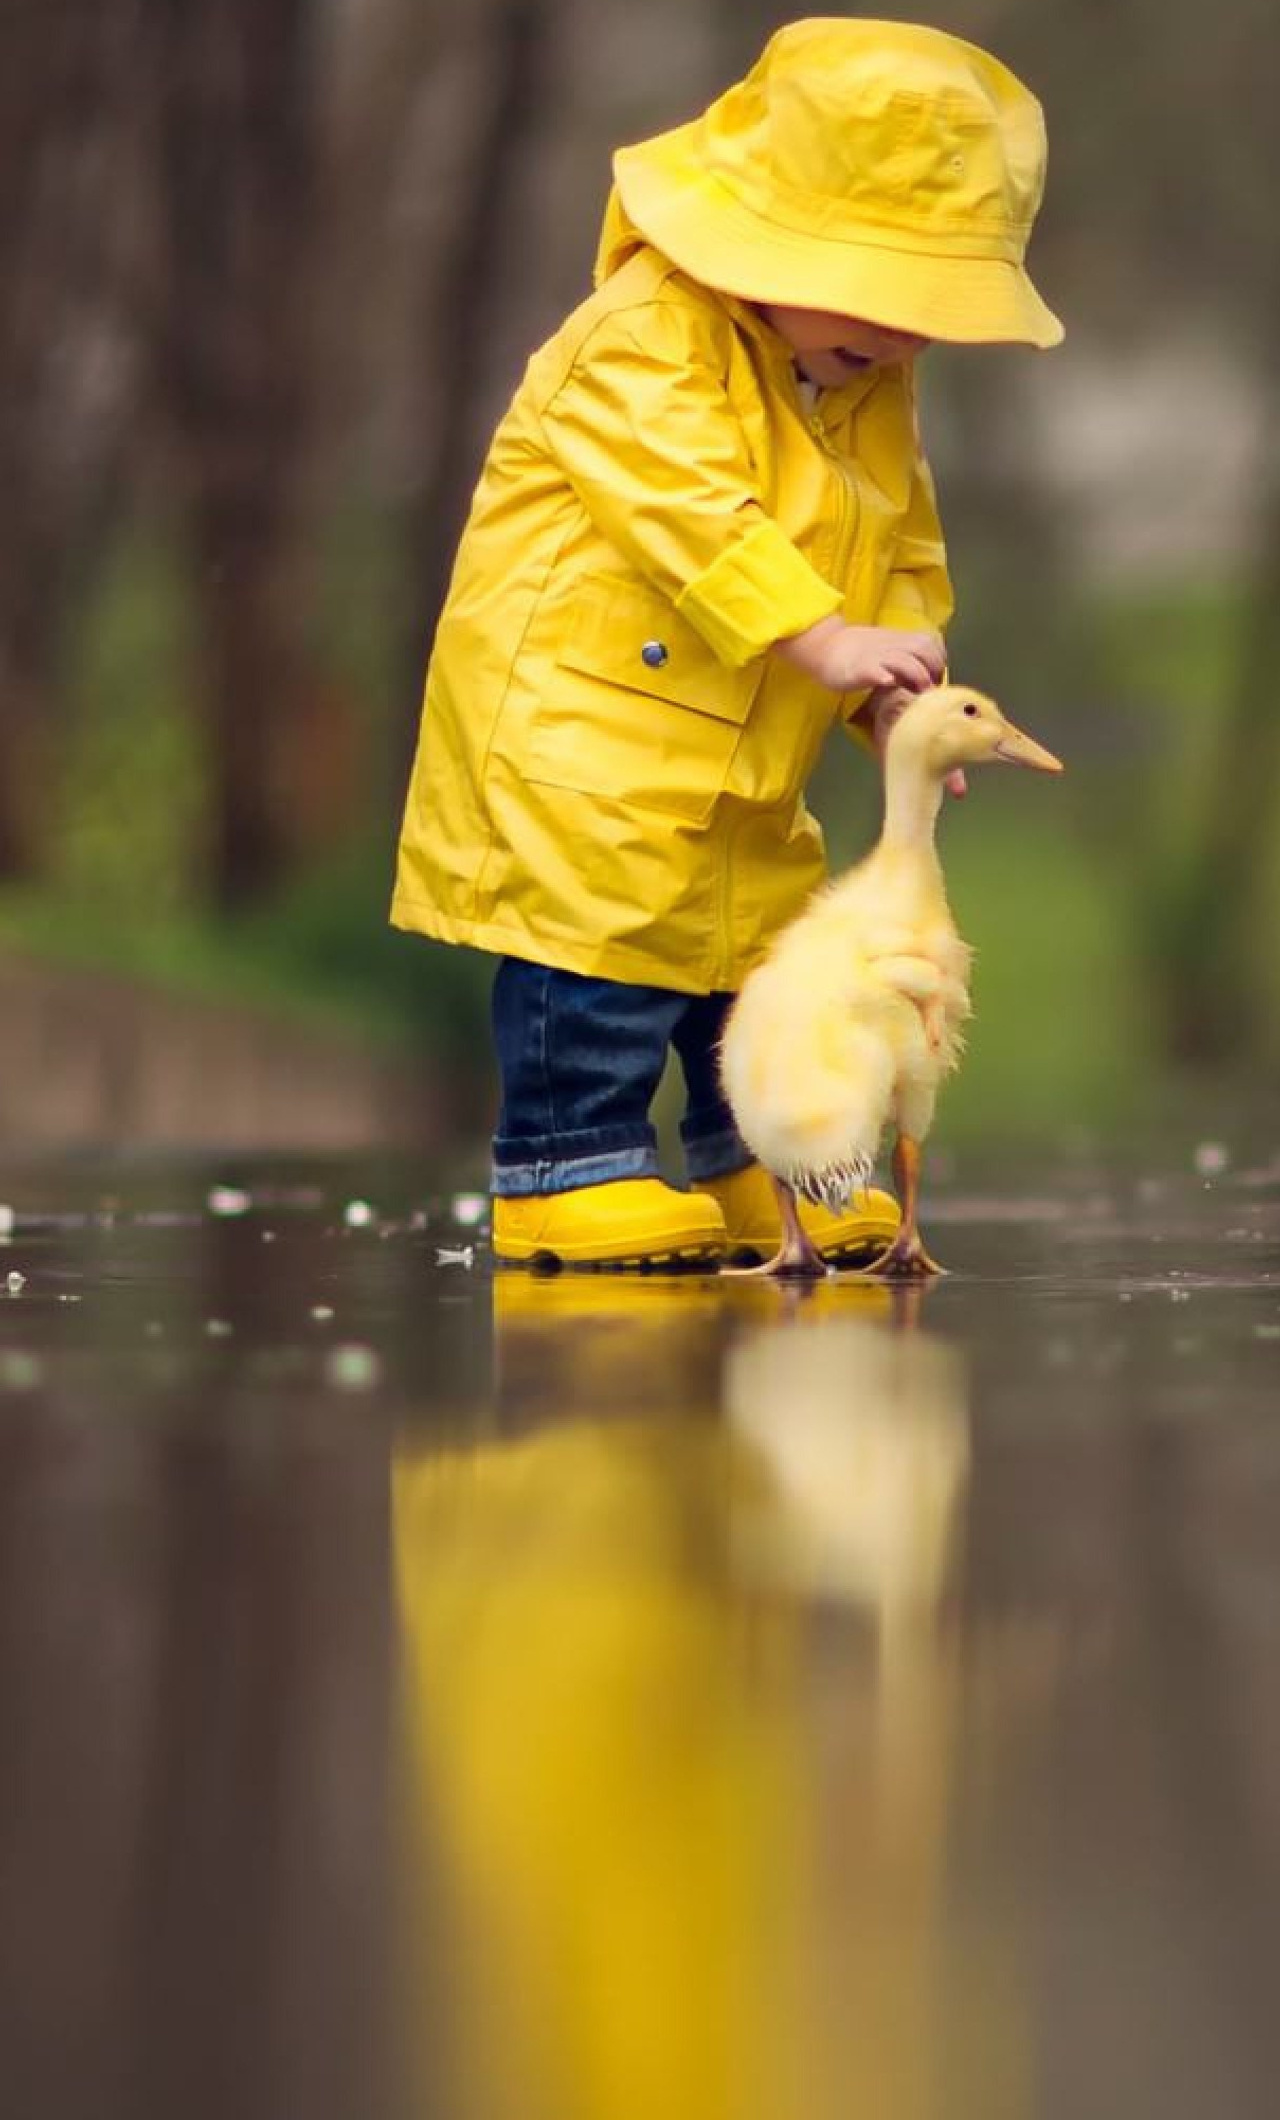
856	1015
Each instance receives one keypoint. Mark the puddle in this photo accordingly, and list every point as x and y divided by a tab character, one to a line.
814	1702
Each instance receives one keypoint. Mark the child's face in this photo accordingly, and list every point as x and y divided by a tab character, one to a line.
830	348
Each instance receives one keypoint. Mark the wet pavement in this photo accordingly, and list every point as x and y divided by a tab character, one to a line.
429	1692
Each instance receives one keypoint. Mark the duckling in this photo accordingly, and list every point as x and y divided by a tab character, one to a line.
857	1013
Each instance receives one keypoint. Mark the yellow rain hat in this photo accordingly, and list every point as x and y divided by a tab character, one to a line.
881	170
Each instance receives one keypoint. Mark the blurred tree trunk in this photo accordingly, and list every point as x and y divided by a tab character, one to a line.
48	75
462	301
27	627
234	171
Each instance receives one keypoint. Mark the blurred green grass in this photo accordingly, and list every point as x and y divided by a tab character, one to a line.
1052	882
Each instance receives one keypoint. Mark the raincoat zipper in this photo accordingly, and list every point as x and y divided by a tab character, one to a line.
845	529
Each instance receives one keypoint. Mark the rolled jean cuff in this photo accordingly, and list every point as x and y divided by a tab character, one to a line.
715	1155
597	1156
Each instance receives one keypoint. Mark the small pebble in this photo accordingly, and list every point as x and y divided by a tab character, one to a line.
16	1283
228	1200
218	1329
321	1312
268	1236
357	1214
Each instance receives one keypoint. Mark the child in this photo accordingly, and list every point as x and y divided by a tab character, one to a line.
704	535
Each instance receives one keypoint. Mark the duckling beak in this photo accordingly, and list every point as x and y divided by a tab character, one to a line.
1019	750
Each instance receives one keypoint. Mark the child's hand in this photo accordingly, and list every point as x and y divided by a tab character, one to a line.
864	658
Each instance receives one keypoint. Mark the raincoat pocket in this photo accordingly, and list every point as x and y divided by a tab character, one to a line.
638	708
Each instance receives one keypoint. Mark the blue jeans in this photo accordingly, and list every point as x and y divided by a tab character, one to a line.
580	1061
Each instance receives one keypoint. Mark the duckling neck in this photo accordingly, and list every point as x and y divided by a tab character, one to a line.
912	800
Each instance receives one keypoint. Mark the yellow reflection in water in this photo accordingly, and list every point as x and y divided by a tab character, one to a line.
680	1708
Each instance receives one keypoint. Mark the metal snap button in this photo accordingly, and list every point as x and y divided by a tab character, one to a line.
654	653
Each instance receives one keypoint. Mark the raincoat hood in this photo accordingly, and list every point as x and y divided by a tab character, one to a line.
881	170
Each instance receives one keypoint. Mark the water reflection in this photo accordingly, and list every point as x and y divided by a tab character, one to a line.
681	1684
819	1703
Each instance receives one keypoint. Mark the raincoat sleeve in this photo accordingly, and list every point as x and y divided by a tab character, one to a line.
643	430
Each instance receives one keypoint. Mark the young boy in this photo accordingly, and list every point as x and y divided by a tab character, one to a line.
704	535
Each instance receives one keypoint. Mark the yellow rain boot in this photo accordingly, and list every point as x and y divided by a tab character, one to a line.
636	1222
866	1227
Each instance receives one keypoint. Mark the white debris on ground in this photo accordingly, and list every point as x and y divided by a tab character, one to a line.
321	1312
461	1255
468	1208
218	1329
357	1214
228	1200
7	1220
352	1367
15	1283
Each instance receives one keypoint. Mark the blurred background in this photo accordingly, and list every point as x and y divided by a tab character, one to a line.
272	269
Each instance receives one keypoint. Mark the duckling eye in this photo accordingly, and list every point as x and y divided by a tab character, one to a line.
969	707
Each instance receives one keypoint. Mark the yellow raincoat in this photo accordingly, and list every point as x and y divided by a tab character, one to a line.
611	766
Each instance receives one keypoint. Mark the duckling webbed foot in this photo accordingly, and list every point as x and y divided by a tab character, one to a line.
797	1257
905	1260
